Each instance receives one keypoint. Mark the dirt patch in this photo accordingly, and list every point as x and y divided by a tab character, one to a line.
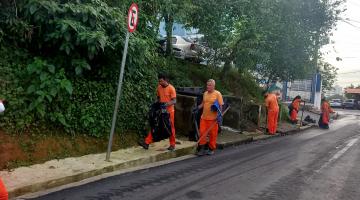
27	149
9	150
285	127
250	126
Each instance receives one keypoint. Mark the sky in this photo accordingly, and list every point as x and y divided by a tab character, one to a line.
346	45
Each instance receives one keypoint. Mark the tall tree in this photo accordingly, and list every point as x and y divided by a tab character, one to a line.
278	39
172	11
229	28
328	75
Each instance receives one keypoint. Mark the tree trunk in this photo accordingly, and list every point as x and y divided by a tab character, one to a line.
169	22
226	68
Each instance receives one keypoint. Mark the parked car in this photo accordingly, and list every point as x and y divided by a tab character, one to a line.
351	103
185	48
336	103
178	53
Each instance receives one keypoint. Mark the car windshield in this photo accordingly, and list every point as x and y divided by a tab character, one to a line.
349	101
173	40
187	40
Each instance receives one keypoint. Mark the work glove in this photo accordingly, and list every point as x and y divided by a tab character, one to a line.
163	106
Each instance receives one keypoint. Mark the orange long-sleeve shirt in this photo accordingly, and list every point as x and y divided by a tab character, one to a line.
296	104
271	102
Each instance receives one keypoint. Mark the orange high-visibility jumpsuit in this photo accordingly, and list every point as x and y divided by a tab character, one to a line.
166	94
273	112
296	107
3	192
326	110
208	119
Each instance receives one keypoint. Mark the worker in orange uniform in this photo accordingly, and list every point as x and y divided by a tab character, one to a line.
325	114
3	192
271	103
294	108
166	94
208	122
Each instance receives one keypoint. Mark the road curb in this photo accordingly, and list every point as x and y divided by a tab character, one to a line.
234	143
295	131
134	163
264	137
91	173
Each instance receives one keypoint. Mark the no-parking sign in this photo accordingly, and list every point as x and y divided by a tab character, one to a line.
132	21
133	17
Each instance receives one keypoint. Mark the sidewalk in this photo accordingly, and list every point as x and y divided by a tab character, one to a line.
228	138
56	173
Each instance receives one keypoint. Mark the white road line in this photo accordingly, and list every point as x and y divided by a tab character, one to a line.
338	154
342	151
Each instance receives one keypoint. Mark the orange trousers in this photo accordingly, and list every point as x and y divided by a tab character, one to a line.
149	138
272	121
326	117
213	133
3	192
293	115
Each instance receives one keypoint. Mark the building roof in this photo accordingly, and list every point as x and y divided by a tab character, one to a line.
352	90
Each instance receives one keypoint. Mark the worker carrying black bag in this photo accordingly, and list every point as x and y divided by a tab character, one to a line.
159	120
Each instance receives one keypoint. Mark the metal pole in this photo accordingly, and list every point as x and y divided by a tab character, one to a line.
259	117
266	120
117	97
280	113
302	115
197	132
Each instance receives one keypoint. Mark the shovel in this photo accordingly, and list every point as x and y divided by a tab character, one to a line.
212	126
302	115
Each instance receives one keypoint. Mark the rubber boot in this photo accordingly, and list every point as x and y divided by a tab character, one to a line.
201	150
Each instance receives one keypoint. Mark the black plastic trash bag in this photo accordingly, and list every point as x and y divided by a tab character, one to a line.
159	120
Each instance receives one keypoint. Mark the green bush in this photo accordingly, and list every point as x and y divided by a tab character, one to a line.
60	67
185	74
78	105
60	63
284	112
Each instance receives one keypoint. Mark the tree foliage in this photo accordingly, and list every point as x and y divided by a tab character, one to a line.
328	75
72	53
279	40
60	58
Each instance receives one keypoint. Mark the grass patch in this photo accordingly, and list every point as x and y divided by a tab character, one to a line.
18	150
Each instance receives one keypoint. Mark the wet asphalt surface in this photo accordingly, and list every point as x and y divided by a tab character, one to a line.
314	164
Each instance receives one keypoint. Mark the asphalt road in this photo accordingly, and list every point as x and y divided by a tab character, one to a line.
347	112
314	164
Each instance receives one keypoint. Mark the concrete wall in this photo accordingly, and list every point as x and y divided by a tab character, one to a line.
234	118
242	113
183	114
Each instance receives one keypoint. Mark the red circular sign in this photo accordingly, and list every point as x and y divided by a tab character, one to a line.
133	17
